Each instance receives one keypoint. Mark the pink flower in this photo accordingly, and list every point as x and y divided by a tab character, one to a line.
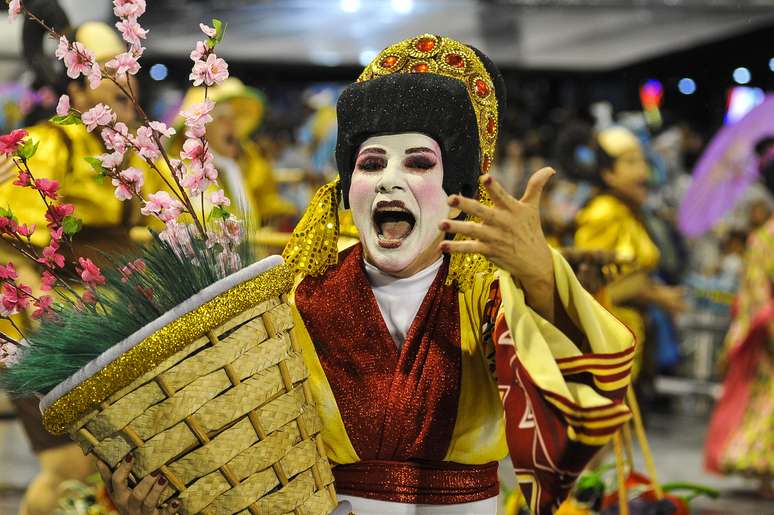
209	31
14	9
131	31
200	51
124	63
57	234
8	225
195	131
128	183
89	297
50	257
198	114
62	48
8	272
47	281
57	213
162	206
138	265
94	76
219	198
178	168
16	298
193	148
25	230
99	115
112	160
178	236
146	145
116	137
10	143
24	179
90	273
43	307
78	60
128	8
162	129
63	107
228	262
47	187
211	72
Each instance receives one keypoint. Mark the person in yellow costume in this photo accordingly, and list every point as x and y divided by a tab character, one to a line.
243	171
612	221
433	356
106	224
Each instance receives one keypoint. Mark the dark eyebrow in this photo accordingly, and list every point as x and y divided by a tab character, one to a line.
418	150
372	150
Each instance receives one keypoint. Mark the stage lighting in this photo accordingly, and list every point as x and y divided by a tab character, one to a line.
686	86
158	71
742	75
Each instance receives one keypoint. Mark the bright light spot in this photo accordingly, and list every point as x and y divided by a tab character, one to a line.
687	86
771	64
402	6
349	6
158	72
742	75
366	56
741	100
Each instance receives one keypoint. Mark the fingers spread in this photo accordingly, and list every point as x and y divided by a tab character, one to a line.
471	207
470	229
536	184
499	196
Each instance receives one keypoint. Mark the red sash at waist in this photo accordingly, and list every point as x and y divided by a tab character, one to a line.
418	482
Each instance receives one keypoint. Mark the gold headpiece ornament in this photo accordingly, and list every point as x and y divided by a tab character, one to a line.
312	247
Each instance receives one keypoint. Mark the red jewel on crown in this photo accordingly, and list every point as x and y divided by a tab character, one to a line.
389	61
485	165
455	60
425	44
490	126
482	88
420	68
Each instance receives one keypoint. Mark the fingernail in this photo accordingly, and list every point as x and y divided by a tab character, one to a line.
444	247
154	473
487	180
129	458
175	503
454	200
444	226
162	480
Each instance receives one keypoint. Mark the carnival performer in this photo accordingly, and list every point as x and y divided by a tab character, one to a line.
450	307
60	157
246	174
740	439
612	221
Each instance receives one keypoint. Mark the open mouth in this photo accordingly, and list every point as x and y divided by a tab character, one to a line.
393	222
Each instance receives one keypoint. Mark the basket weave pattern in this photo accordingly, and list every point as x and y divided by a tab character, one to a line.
228	420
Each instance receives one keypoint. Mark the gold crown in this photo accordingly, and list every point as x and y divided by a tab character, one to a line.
429	53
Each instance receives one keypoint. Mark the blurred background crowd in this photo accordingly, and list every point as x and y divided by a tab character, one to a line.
654	112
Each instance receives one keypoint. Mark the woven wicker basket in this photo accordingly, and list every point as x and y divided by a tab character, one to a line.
228	420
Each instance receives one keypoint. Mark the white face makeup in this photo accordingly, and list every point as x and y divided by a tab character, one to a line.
397	201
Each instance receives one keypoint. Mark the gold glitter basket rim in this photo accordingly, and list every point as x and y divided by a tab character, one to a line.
258	283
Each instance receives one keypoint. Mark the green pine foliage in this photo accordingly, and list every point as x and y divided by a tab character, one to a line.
59	348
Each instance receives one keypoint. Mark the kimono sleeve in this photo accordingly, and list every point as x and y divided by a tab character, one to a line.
561	405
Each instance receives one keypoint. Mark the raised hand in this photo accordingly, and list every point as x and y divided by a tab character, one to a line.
511	236
143	499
